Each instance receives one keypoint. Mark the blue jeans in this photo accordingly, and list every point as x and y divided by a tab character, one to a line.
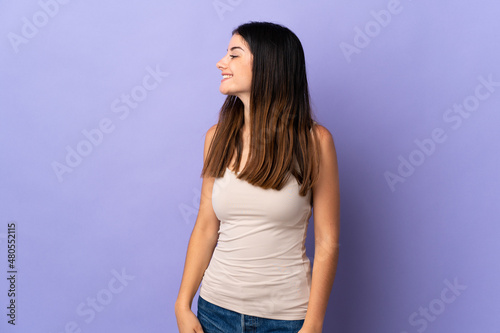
215	319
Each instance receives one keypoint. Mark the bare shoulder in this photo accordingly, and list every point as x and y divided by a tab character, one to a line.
326	188
321	130
212	129
211	132
325	138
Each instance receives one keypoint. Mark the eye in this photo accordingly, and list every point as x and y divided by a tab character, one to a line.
233	56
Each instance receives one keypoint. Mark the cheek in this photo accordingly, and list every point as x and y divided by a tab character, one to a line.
249	71
249	76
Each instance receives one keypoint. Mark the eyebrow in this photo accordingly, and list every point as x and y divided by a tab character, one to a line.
236	47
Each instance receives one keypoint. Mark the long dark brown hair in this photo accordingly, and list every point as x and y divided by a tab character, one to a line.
282	141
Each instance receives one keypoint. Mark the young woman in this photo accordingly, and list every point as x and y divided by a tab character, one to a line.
267	164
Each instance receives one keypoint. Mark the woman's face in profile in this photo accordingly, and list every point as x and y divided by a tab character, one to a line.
236	68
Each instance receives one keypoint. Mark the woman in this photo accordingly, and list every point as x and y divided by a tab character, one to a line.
266	164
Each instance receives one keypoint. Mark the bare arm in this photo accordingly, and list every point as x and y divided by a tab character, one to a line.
200	249
326	201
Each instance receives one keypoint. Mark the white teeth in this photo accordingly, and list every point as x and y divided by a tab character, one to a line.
227	76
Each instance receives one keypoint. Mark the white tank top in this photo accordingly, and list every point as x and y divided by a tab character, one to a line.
259	266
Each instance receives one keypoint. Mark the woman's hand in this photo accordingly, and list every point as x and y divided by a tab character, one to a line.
187	322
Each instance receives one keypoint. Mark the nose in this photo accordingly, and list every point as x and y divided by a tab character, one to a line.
221	64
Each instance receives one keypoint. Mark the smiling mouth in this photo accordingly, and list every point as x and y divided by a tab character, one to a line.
227	76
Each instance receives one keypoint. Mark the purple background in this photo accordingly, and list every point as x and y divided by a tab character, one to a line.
129	206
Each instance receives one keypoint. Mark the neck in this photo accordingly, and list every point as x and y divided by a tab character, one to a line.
246	112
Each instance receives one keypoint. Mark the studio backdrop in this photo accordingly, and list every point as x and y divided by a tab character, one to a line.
104	109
